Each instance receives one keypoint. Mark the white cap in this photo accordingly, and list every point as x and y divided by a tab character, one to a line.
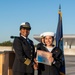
23	23
41	34
48	33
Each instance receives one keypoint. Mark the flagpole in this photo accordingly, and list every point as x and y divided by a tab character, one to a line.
59	39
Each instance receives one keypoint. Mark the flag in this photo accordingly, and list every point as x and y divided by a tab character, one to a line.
59	40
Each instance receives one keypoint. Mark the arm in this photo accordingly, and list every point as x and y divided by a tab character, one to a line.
20	55
58	55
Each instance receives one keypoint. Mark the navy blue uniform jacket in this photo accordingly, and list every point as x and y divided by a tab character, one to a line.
54	68
23	50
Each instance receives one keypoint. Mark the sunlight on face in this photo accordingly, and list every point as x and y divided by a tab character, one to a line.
48	40
24	32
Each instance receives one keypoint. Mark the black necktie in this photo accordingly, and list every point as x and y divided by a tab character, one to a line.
28	40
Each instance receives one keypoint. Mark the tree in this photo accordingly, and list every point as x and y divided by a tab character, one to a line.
6	43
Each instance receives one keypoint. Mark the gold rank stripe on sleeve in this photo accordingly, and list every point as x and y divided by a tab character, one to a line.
62	73
27	61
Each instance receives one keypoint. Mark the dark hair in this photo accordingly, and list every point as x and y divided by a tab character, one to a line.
53	38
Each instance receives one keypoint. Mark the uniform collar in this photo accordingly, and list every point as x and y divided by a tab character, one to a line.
24	37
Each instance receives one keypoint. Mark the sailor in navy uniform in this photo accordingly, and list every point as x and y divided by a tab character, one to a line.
39	47
24	52
55	59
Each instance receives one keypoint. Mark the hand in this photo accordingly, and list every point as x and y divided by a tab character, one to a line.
35	61
49	54
35	64
49	57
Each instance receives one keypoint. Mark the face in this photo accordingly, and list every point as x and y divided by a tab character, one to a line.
43	40
24	32
48	40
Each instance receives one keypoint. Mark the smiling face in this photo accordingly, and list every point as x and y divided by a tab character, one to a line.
24	32
49	40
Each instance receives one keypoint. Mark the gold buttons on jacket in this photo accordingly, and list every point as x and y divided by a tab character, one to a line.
31	55
25	58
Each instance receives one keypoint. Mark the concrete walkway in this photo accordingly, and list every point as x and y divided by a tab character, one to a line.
70	64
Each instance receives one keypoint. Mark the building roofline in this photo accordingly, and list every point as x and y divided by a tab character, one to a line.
64	36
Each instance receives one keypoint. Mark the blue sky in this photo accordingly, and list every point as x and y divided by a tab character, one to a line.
41	14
